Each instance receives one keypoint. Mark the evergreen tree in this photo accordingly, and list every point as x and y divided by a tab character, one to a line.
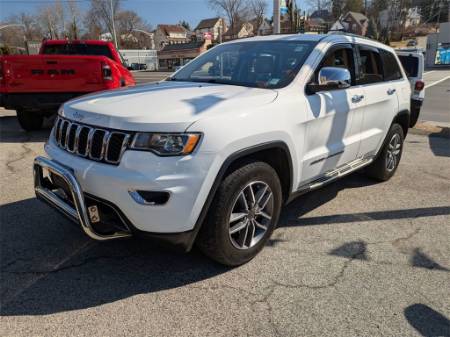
337	8
372	30
354	6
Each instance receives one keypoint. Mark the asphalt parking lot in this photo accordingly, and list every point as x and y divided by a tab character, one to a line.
356	258
436	107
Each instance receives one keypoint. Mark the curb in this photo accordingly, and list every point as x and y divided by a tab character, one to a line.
431	130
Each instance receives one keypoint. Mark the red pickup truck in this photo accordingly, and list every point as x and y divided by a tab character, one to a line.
36	85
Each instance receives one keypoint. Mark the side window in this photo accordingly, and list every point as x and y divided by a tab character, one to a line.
390	66
341	57
410	64
371	70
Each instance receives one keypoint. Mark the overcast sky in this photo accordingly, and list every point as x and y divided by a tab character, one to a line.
153	11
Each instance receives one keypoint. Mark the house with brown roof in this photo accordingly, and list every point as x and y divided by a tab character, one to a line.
210	28
352	22
261	27
175	55
239	31
170	34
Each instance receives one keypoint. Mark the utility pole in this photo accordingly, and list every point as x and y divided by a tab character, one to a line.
276	16
113	24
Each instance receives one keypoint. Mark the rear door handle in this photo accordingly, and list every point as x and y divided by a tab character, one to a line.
391	91
357	98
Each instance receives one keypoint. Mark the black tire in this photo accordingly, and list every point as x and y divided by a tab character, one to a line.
214	238
415	112
29	120
381	169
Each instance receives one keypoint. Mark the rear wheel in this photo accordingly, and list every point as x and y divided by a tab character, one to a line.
29	120
384	167
243	215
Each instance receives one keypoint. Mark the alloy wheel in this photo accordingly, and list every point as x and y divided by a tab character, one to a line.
393	152
251	215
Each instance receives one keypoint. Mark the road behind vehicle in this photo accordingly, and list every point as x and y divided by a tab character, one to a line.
413	63
36	85
228	139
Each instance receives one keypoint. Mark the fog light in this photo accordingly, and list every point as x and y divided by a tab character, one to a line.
150	197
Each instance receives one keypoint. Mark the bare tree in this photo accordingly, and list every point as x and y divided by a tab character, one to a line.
92	26
51	18
257	11
234	10
74	25
31	27
100	13
133	30
319	4
127	21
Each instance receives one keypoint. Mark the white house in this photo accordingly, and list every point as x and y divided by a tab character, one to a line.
212	28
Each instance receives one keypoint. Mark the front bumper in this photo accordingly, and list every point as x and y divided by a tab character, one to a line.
77	204
74	205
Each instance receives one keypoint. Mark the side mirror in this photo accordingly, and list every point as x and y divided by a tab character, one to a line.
331	78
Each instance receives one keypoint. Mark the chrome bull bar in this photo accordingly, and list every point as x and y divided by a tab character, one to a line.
78	214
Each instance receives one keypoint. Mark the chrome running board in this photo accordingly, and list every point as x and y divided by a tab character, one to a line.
335	174
78	213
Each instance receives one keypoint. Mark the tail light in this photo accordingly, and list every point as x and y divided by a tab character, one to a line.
106	71
419	85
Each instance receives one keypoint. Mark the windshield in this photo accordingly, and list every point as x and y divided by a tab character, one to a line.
261	64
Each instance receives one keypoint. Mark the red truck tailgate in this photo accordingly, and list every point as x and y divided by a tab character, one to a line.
48	73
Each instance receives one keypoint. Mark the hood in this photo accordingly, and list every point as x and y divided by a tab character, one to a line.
163	106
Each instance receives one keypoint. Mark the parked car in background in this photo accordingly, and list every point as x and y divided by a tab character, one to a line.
411	43
137	66
211	155
413	63
36	85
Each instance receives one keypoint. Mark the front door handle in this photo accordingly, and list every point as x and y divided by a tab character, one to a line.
357	98
391	91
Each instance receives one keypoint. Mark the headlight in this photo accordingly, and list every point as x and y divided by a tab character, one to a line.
166	144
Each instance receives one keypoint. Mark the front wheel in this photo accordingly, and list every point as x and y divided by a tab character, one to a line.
385	165
29	120
243	214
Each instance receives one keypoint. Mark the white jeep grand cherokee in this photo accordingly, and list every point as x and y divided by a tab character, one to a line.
211	154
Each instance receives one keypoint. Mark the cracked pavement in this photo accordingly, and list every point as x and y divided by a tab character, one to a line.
356	258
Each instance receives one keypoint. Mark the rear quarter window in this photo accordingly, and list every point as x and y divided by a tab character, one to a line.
410	64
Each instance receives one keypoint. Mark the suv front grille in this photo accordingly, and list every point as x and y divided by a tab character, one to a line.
91	142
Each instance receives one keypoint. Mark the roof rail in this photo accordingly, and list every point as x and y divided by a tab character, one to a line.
342	32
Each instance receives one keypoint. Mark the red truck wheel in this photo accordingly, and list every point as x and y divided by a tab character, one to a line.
29	120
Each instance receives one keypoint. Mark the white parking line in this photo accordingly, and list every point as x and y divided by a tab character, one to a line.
429	72
437	82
